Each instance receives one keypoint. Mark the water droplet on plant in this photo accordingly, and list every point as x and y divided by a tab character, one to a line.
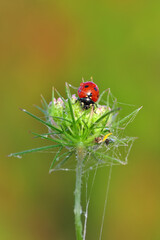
81	211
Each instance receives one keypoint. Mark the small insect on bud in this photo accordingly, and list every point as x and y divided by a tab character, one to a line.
103	139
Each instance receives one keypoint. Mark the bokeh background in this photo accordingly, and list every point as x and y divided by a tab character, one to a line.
45	44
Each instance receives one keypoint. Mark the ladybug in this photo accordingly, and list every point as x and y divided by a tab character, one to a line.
88	94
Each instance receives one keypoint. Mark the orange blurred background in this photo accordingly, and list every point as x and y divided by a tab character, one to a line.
45	44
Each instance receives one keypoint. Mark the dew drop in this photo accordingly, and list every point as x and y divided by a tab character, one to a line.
81	210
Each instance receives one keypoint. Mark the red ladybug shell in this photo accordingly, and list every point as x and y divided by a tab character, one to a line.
88	89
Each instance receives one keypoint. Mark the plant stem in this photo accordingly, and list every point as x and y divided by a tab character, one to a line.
77	206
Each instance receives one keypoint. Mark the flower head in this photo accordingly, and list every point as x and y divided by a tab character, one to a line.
70	126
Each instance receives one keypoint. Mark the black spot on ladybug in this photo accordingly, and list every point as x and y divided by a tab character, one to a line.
86	86
95	89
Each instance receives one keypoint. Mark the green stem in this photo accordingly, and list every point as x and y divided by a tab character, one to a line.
77	206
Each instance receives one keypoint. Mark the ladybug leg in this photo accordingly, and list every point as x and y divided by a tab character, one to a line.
75	101
91	106
94	105
82	104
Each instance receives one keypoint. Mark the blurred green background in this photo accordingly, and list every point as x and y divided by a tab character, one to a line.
45	44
